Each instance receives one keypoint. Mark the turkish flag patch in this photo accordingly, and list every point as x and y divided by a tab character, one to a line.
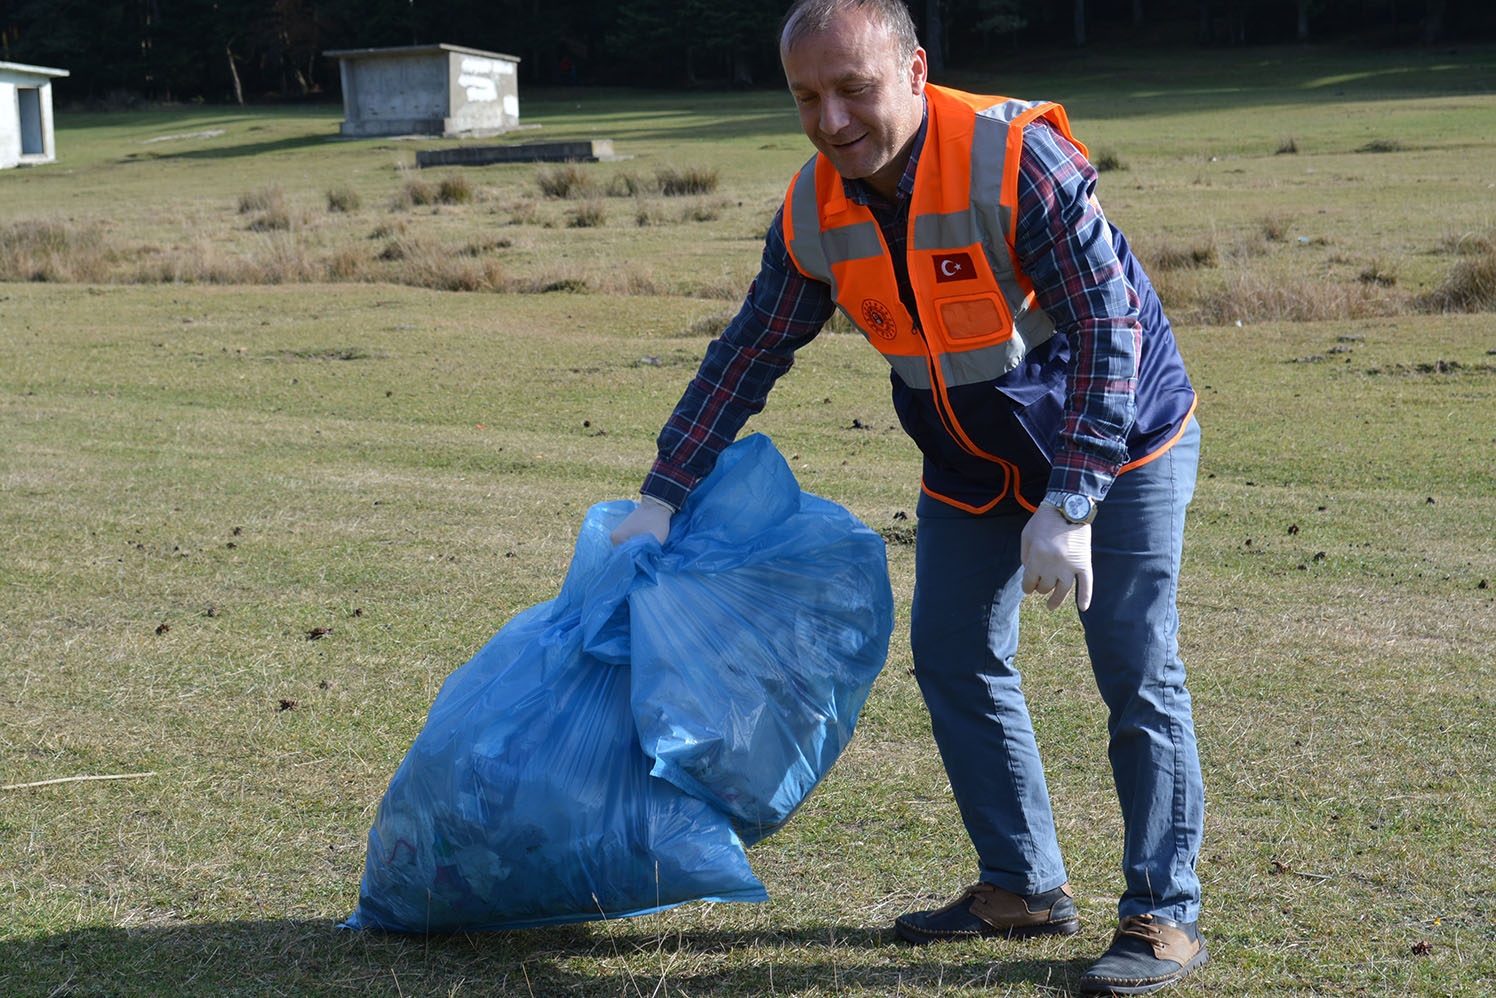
953	267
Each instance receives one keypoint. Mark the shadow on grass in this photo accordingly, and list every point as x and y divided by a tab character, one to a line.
242	149
305	957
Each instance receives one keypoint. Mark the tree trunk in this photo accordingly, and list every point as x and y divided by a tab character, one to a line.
1206	35
1302	33
934	36
1080	22
1137	13
1433	20
234	74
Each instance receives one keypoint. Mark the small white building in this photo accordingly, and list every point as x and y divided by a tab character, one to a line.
428	90
26	114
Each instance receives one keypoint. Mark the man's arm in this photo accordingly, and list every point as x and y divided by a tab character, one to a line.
1065	246
783	311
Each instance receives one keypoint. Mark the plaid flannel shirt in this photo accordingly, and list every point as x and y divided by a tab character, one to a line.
1064	245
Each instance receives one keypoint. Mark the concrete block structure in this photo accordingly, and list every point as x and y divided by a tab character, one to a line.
428	90
26	114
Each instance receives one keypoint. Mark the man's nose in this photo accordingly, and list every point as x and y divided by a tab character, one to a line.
834	115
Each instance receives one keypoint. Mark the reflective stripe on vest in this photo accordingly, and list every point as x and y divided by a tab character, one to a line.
978	306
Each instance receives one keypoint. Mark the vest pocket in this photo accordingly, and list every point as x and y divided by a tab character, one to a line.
974	320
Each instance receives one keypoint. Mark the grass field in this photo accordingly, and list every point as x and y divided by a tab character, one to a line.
220	433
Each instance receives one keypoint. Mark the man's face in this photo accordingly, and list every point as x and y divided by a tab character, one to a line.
860	103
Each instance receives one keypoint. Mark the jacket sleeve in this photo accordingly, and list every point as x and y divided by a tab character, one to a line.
1065	247
783	311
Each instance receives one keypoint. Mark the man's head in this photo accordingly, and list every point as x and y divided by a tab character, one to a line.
857	74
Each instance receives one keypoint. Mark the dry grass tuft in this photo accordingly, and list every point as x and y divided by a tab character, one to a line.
1287	147
1468	243
274	220
270	203
447	273
485	246
1249	296
587	215
413	192
648	213
1470	286
1275	228
266	199
566	181
1169	256
1107	160
628	185
674	181
1382	145
284	259
524	212
630	280
418	192
1378	272
548	284
347	265
343	199
42	249
455	188
700	211
422	264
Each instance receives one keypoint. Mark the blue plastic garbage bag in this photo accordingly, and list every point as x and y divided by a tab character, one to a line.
756	646
593	759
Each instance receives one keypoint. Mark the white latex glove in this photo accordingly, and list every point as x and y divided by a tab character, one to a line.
651	517
1056	557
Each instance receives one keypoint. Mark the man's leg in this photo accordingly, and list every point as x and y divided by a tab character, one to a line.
1132	633
964	633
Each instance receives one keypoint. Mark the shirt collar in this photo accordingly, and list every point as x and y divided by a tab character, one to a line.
861	193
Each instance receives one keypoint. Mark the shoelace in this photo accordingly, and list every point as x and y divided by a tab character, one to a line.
971	893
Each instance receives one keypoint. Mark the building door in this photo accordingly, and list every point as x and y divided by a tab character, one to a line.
33	138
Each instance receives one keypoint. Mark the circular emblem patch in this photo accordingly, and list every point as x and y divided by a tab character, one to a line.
878	319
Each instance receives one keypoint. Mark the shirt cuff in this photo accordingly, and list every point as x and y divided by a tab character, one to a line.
668	484
1082	478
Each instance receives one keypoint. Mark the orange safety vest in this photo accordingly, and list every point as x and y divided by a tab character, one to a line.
979	306
981	319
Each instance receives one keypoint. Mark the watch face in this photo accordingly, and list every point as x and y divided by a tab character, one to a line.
1077	507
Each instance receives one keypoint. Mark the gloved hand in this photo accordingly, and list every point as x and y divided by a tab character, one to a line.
1056	557
651	517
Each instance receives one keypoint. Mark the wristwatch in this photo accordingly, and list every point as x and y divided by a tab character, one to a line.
1072	506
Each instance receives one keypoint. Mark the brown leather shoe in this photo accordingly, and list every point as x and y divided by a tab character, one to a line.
988	910
1148	952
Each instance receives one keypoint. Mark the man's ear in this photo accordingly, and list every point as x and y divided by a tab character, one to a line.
919	72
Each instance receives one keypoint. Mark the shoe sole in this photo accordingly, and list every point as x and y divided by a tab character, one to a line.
1197	961
909	934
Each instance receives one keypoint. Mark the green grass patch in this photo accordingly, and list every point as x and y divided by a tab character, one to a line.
252	437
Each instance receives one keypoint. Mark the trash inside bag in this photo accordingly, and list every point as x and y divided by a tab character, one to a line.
611	751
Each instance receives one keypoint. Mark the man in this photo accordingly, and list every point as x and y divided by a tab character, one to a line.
1033	365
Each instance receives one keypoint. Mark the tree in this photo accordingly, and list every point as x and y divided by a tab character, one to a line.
683	41
1433	21
934	37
